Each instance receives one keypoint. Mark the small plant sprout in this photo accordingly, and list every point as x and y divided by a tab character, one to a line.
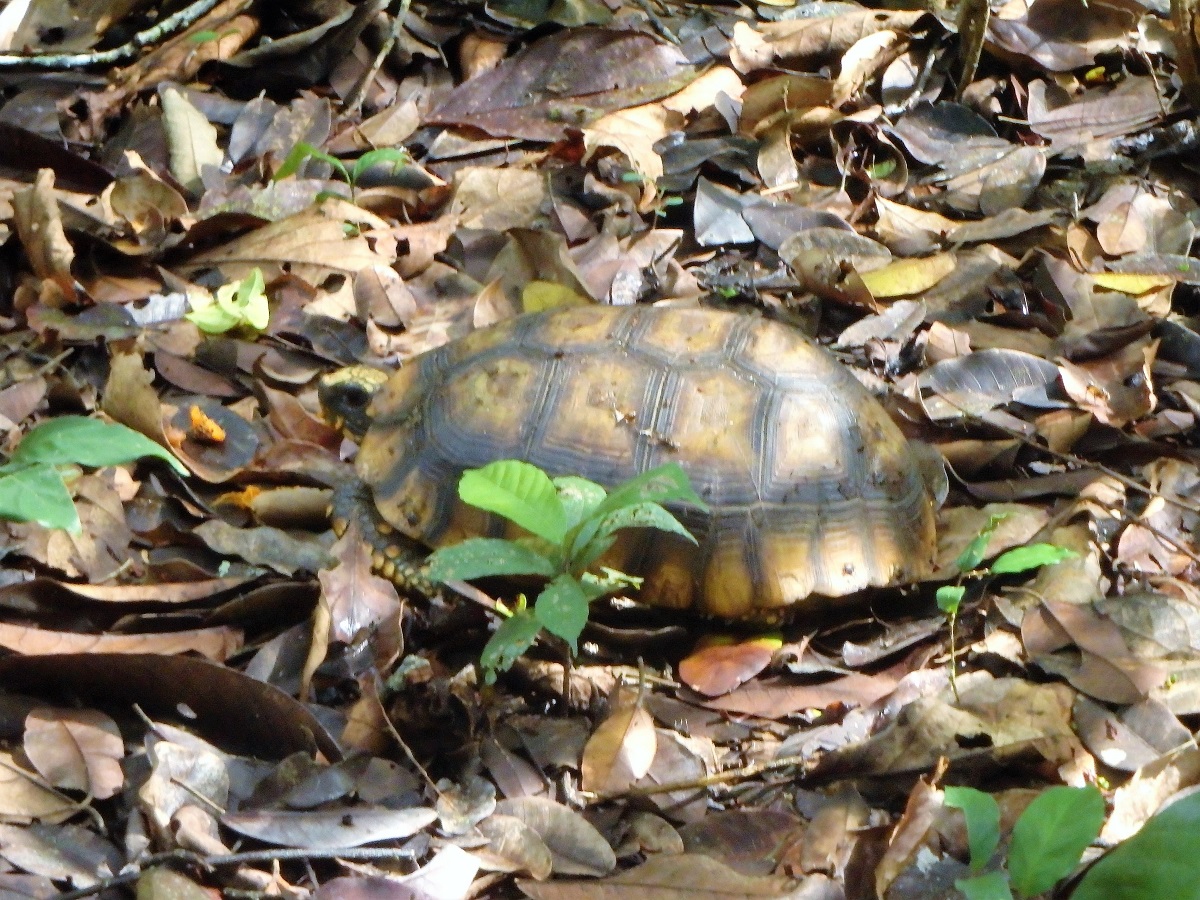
237	304
571	522
1046	846
1018	559
398	157
32	486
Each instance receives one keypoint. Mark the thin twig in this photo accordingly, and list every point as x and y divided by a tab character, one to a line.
180	20
191	858
355	100
726	776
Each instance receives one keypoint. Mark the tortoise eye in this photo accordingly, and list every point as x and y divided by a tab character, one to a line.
356	396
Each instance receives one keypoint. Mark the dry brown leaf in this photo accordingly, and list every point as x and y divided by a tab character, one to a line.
621	749
829	36
24	800
212	643
676	877
357	598
719	667
576	847
40	227
924	804
76	749
513	847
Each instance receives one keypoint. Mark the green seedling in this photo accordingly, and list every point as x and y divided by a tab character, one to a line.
1047	841
235	305
571	522
397	156
32	486
1018	559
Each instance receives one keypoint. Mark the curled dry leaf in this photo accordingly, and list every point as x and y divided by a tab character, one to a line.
514	846
576	847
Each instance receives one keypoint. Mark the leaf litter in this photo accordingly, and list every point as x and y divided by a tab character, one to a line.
996	240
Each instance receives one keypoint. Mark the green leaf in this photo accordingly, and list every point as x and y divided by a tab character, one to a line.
515	635
38	494
988	886
1051	835
237	303
562	608
589	546
606	582
1031	556
982	814
1158	862
394	155
211	317
972	555
521	493
949	597
481	557
78	440
645	515
579	497
247	298
664	484
303	151
641	515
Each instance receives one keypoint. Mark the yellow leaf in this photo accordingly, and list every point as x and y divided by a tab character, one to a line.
539	295
908	276
1131	282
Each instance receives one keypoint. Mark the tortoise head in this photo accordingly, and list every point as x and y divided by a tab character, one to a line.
346	396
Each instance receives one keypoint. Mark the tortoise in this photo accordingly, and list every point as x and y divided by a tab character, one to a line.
813	491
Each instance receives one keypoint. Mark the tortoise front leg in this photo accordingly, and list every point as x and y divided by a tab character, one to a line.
394	555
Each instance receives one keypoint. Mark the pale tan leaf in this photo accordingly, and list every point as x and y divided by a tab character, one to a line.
40	227
23	799
191	140
702	93
575	845
621	750
334	237
76	749
181	776
684	876
513	847
356	597
634	132
214	643
824	36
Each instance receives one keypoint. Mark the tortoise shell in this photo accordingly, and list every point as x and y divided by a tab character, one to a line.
812	489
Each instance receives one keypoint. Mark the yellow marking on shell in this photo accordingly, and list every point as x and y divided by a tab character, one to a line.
391	551
384	527
359	374
339	526
388	569
377	561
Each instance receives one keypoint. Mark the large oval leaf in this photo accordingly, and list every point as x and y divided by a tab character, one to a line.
1159	861
665	484
521	493
1051	835
37	494
481	557
78	440
562	608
